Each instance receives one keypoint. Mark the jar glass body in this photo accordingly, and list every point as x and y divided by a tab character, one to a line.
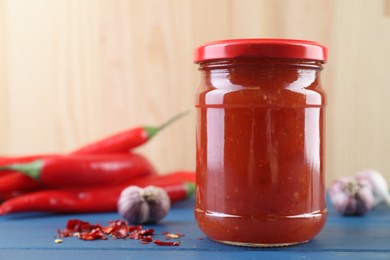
260	151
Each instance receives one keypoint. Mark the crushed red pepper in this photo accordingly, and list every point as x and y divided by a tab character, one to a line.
117	229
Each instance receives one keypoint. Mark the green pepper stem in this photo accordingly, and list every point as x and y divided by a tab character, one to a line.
32	169
151	131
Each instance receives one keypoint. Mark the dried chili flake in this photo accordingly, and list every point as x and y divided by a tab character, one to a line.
119	234
133	228
108	230
117	223
164	243
77	225
116	229
64	233
74	225
142	234
134	234
147	239
147	232
94	234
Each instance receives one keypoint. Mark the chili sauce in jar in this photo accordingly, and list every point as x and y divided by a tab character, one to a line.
260	141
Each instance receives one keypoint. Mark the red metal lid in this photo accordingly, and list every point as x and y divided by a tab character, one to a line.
261	48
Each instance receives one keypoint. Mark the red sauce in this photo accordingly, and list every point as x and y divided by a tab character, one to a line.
260	145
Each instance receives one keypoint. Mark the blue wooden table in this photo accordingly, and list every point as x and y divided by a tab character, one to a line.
31	236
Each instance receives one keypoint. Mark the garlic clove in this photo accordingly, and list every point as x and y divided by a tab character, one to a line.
138	206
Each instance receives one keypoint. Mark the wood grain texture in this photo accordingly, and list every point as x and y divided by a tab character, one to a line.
73	71
3	81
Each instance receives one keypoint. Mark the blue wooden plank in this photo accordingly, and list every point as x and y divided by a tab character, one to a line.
187	255
33	234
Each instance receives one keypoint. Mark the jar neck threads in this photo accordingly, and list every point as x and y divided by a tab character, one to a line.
261	72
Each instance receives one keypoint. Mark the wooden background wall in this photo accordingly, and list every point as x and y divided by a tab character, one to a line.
72	71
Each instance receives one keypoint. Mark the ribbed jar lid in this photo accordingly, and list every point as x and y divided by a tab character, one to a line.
261	48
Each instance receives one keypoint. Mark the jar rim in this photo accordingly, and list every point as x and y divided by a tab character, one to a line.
261	48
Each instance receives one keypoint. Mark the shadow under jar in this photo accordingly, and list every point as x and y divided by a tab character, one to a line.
260	141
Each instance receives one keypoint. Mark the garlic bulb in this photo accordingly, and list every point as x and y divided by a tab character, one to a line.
143	205
351	196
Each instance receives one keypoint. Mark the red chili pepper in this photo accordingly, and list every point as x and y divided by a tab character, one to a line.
117	143
20	159
14	184
126	140
179	186
23	159
85	171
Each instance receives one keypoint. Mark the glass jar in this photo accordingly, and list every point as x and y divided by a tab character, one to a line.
260	141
